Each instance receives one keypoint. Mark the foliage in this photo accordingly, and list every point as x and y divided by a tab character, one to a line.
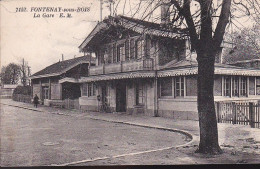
245	45
10	74
25	90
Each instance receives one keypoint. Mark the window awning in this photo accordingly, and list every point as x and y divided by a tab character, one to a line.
218	71
117	76
69	79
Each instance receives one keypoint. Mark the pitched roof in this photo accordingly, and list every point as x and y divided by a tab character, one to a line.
136	25
191	63
187	67
62	66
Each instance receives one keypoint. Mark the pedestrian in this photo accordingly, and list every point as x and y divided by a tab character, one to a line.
36	100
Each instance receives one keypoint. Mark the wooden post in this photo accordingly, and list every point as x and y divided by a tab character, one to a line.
234	113
41	97
218	111
251	114
49	93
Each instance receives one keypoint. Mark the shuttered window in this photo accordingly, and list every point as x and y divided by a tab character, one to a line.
127	56
114	53
139	49
132	49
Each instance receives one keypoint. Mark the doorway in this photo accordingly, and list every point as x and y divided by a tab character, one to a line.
121	97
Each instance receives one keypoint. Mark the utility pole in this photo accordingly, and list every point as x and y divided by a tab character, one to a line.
101	8
29	74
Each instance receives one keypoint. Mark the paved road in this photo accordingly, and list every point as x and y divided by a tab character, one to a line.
30	138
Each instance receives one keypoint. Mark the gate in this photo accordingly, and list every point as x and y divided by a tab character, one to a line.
244	113
71	104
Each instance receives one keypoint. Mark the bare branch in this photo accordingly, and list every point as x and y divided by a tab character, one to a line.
223	20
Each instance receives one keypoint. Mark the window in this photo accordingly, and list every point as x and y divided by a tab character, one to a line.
227	87
147	48
140	94
235	86
166	87
257	85
88	89
132	49
243	88
127	56
110	53
179	86
101	57
120	53
114	53
139	49
84	89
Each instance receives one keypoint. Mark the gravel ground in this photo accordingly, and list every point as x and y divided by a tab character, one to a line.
30	138
241	144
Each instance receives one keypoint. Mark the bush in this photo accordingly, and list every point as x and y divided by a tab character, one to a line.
24	90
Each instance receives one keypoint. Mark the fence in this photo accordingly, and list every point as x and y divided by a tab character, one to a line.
22	98
245	113
71	104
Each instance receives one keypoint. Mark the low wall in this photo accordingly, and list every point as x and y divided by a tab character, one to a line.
178	108
22	98
88	103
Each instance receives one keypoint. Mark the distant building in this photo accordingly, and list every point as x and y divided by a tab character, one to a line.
253	63
6	90
60	80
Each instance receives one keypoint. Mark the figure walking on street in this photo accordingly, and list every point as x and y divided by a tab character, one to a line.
36	100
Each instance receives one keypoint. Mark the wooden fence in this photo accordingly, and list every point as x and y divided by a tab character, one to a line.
71	104
244	113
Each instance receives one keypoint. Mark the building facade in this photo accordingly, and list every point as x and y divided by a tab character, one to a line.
142	67
60	80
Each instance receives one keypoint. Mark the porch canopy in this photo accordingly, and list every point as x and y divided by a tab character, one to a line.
117	76
186	67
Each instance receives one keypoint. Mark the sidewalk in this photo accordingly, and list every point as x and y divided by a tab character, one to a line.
236	140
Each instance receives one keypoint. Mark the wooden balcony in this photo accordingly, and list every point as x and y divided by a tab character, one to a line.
125	66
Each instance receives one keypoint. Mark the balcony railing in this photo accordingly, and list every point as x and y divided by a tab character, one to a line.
126	66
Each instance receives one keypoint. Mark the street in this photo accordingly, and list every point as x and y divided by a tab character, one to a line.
30	138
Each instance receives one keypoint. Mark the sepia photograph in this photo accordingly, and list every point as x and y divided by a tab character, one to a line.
129	82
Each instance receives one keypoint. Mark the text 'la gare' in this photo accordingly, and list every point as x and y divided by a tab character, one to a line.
46	15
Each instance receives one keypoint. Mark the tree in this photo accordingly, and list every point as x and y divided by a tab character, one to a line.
206	22
206	43
245	45
10	74
25	73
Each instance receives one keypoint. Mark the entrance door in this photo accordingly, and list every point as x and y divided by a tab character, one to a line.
121	97
104	95
45	92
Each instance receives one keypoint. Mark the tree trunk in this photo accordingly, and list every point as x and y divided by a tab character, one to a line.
206	108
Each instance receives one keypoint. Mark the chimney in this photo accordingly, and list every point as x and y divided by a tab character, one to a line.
62	57
165	12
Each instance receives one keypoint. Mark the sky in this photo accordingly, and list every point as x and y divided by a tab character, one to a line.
41	41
